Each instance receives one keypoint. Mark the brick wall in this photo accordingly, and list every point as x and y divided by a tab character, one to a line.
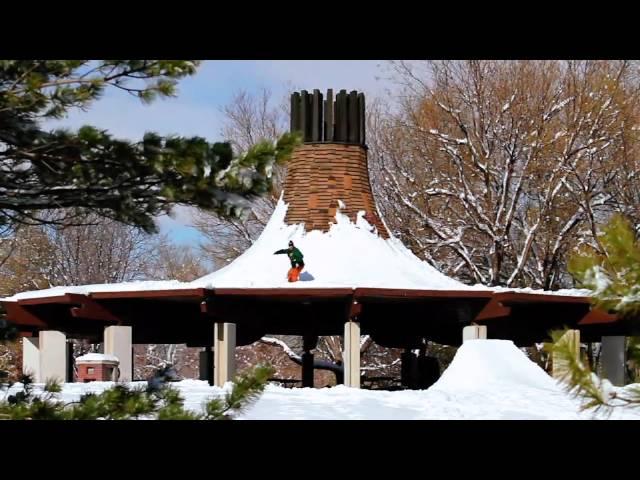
320	174
101	372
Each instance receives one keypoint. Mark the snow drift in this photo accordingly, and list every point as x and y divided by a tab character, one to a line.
482	363
488	379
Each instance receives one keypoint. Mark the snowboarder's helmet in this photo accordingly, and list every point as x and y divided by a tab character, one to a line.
290	243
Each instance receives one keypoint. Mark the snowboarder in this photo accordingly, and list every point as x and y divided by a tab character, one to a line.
297	262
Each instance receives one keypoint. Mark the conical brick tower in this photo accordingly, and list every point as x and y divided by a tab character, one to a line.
329	171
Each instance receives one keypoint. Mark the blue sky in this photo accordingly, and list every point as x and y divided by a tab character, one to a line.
196	109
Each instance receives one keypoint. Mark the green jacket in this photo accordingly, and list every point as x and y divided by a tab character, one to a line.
295	256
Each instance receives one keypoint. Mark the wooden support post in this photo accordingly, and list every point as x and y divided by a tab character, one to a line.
316	116
295	113
361	119
305	115
341	132
352	118
328	117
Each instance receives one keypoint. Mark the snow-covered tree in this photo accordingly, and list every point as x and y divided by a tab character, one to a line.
99	250
494	170
172	261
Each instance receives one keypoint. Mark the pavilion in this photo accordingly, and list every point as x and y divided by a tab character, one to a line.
358	280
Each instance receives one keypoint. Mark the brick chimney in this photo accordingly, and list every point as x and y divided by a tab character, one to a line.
331	165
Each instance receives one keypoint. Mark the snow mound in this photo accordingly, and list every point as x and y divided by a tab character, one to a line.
481	364
349	255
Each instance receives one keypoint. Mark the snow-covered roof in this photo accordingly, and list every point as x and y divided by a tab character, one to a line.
101	287
97	358
566	292
349	255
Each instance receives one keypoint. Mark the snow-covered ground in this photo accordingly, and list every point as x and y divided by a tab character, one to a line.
488	379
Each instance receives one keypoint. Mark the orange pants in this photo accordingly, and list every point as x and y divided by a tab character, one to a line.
294	274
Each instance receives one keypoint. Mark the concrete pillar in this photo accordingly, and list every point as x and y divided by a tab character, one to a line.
613	359
206	365
224	349
474	332
118	342
351	354
558	365
53	356
31	357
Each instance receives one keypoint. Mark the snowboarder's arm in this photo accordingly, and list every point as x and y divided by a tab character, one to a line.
280	252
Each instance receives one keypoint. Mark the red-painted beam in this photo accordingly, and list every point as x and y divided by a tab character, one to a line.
364	293
20	315
493	309
596	317
188	293
90	309
355	309
58	299
206	307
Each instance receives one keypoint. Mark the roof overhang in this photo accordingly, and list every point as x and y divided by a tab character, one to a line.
156	312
